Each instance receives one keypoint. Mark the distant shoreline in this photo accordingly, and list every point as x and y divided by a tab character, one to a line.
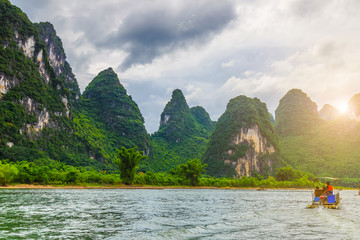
35	186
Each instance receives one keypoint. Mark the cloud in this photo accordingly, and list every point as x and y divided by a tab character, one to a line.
155	29
230	63
211	50
328	72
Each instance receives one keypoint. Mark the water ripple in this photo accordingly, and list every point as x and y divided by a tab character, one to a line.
173	214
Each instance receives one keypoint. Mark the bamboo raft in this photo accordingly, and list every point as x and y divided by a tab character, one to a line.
330	202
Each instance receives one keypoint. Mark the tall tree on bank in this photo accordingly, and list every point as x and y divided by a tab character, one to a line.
192	170
128	163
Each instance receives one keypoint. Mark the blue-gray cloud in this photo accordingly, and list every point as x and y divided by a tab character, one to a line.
147	35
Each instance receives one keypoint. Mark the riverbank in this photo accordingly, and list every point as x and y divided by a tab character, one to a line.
38	186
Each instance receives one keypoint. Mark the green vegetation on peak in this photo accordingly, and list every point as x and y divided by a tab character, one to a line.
106	103
57	57
203	118
106	82
182	135
175	119
295	114
35	121
241	112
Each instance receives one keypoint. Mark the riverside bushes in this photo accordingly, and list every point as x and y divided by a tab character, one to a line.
47	171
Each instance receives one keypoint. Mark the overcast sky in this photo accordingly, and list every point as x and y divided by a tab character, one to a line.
211	50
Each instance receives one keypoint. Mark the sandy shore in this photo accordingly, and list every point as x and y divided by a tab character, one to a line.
35	186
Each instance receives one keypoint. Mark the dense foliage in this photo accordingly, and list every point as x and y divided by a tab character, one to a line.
329	150
183	134
106	103
47	171
128	161
240	112
191	170
31	97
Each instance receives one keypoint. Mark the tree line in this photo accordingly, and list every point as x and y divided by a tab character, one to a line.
47	171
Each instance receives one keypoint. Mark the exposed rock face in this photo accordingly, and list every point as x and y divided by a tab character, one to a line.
6	83
41	113
57	58
329	113
254	159
243	141
28	46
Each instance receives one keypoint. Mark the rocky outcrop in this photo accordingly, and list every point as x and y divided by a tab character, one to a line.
57	58
6	83
42	117
256	158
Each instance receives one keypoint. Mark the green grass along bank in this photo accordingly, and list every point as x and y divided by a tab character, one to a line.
47	173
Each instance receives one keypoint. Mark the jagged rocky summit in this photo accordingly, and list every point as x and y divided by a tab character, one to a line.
57	58
32	98
243	141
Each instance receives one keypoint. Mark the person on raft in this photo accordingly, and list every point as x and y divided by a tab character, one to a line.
329	189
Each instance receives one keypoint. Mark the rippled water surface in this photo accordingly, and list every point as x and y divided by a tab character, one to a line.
173	214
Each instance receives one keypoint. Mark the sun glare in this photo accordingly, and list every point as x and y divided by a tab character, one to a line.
342	106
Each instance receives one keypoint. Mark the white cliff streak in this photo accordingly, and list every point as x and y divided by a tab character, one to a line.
28	47
7	83
42	70
258	148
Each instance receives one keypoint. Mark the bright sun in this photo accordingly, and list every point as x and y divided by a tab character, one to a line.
342	106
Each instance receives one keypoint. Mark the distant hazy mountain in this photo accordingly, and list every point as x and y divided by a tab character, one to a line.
329	113
295	114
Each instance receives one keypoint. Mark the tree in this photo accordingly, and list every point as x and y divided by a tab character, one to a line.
287	174
192	170
7	173
128	163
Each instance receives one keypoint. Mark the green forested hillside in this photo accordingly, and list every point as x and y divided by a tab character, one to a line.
33	116
182	135
108	119
295	114
241	112
325	148
41	113
329	150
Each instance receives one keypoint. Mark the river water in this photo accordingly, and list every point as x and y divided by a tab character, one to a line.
173	214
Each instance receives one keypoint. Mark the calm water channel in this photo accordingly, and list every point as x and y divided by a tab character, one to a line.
173	214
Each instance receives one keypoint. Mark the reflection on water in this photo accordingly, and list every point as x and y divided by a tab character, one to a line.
173	214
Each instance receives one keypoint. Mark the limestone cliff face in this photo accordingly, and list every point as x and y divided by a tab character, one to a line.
243	141
257	157
29	76
6	83
57	58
